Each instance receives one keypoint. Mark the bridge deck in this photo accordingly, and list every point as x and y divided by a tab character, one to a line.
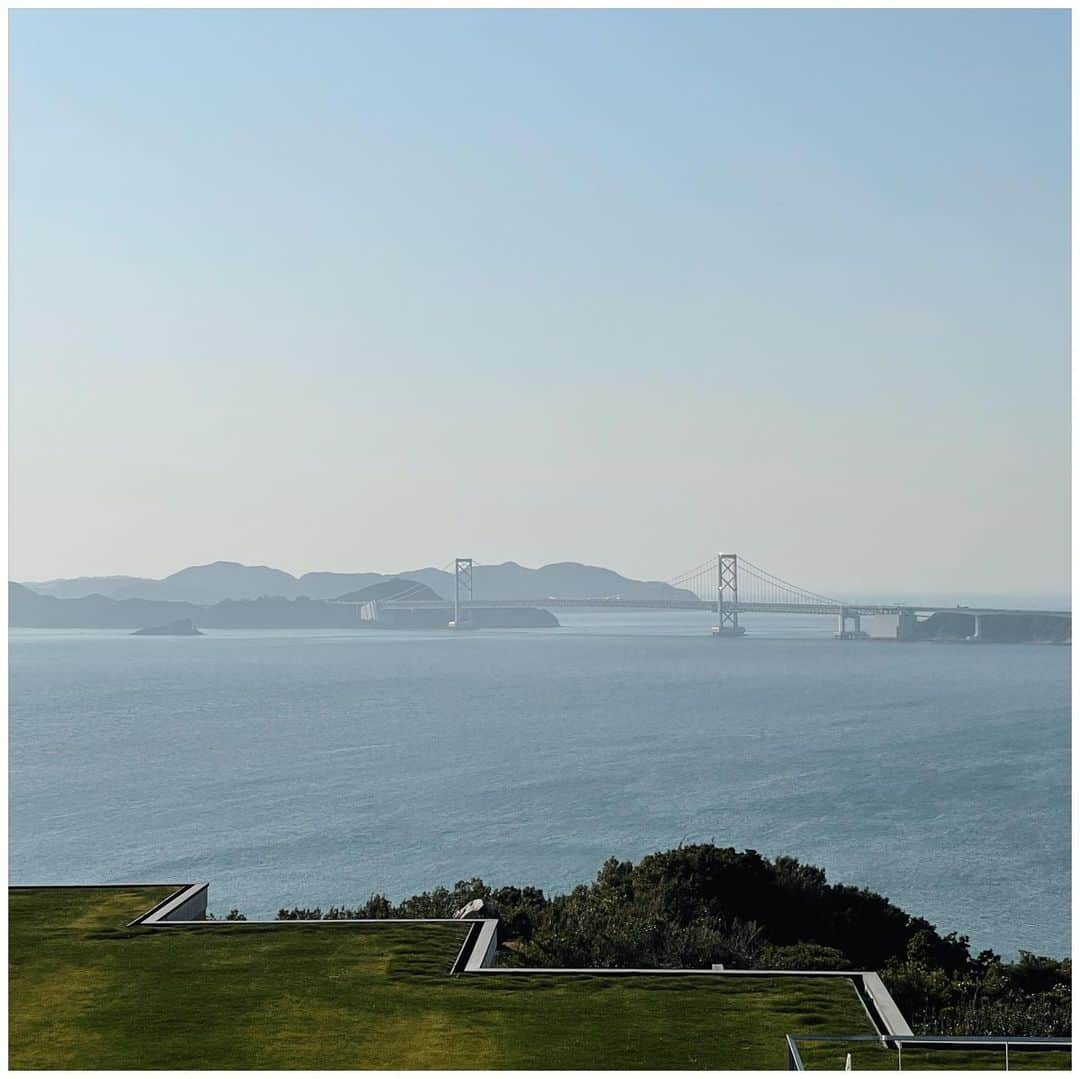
602	603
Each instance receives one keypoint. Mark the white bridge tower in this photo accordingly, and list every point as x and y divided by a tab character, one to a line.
727	597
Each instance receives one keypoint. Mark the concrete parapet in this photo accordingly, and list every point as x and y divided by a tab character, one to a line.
186	905
891	1017
482	955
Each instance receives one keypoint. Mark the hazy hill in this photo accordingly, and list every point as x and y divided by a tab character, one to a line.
568	580
28	609
332	585
195	584
232	580
74	587
222	580
211	584
564	580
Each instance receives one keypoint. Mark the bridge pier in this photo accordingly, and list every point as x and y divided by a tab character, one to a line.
842	632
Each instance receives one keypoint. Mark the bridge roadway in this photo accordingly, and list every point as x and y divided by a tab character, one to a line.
834	609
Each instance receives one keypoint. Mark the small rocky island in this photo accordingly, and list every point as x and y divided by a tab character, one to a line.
182	627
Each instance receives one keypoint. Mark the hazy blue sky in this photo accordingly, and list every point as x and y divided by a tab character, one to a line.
362	290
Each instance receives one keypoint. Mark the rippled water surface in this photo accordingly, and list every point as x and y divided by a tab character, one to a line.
312	768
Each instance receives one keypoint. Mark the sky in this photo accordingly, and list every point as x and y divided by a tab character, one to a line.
367	290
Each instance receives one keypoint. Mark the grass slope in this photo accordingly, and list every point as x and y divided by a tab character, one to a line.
87	992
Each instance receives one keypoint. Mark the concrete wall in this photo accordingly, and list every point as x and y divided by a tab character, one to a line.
188	905
483	952
890	627
891	1017
882	626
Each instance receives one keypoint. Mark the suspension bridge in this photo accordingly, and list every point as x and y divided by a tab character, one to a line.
728	584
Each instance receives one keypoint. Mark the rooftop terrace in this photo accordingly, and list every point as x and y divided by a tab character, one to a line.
89	989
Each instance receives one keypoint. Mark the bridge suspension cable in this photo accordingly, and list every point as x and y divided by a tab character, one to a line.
755	584
772	585
701	580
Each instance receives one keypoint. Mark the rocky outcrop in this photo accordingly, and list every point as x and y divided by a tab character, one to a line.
182	627
477	908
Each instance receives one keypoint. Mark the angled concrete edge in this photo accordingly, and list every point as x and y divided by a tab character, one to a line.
482	956
891	1016
187	903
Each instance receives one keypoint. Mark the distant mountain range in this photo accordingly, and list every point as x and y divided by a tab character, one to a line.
210	584
228	595
202	585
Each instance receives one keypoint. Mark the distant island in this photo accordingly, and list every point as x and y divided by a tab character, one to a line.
218	581
28	609
228	595
182	627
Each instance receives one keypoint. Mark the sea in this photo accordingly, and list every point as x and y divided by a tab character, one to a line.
314	768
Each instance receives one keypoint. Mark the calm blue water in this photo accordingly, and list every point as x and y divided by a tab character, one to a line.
316	767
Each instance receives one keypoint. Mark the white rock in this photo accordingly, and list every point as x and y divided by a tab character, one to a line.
470	910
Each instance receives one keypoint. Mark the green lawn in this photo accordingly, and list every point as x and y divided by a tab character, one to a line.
86	992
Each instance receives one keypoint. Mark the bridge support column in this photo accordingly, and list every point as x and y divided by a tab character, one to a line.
842	620
727	597
462	592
